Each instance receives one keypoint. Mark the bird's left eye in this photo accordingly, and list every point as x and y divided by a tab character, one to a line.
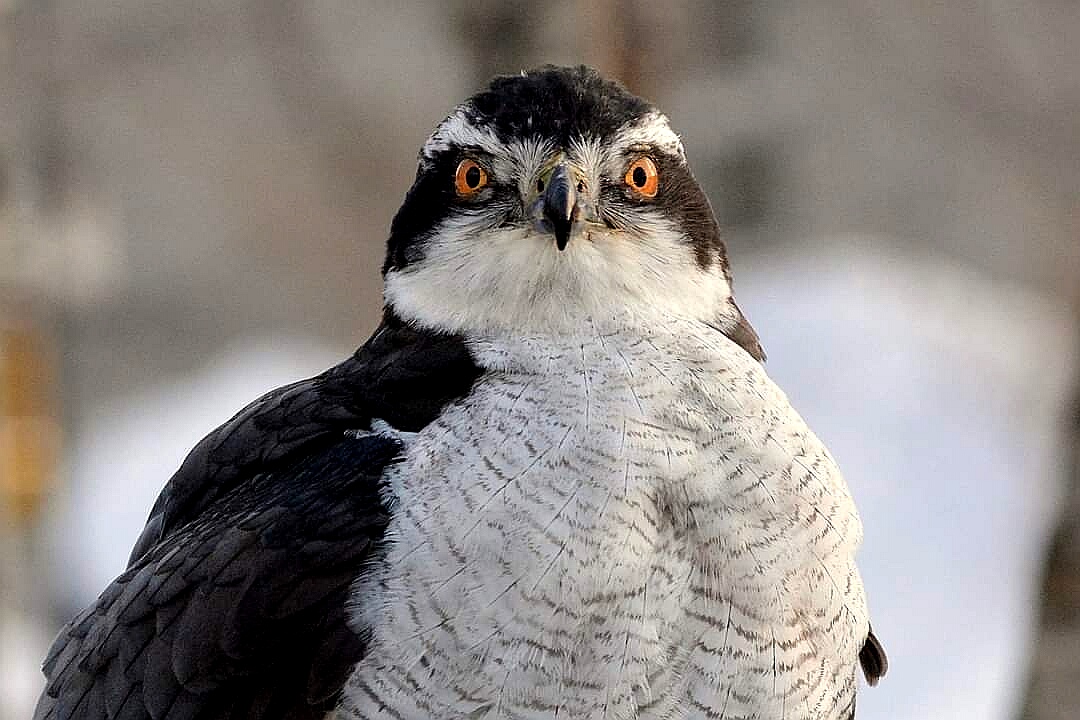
643	178
470	178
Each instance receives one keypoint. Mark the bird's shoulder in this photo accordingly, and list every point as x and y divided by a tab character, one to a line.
402	375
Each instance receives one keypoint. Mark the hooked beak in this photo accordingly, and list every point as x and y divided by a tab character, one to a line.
559	202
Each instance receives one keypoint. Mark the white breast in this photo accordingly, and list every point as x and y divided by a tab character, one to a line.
627	524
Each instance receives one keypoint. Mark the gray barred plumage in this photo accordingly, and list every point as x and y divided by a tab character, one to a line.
630	523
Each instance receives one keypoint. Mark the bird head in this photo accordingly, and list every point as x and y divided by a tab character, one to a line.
551	199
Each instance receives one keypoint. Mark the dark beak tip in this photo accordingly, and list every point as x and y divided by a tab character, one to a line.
559	202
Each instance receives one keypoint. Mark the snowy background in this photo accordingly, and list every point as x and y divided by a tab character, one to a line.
194	197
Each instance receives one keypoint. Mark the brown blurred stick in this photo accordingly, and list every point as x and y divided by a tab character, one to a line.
1054	689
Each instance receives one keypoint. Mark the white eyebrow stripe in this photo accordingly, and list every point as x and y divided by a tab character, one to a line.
652	129
519	159
457	131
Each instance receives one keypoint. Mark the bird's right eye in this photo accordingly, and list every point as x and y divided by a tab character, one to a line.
469	179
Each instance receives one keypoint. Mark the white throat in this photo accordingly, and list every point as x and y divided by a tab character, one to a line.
516	281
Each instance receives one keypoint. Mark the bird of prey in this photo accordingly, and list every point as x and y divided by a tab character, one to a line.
555	483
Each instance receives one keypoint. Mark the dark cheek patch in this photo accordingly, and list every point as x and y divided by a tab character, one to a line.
429	202
426	205
432	200
680	198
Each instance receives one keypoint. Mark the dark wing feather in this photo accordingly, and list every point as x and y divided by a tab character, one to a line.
233	605
873	660
874	666
237	626
739	330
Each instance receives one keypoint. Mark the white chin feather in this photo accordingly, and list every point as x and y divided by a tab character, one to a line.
516	281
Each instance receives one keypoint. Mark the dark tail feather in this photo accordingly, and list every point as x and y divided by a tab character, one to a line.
873	660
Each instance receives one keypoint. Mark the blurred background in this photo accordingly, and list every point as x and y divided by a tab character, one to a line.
194	198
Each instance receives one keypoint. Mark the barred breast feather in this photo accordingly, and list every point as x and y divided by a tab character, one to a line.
627	523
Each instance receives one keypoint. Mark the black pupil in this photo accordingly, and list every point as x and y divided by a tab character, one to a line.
472	177
639	176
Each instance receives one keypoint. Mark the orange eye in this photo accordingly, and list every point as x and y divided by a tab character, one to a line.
642	177
469	178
